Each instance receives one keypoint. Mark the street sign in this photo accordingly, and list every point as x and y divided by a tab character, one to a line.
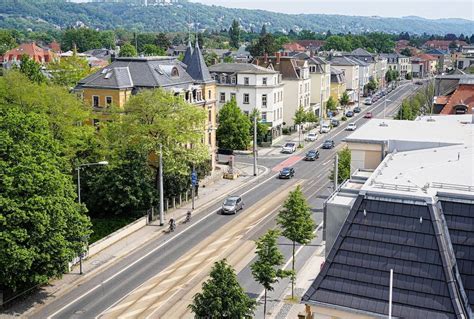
194	178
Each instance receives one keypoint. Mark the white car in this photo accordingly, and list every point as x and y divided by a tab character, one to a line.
368	101
325	128
311	137
289	148
351	127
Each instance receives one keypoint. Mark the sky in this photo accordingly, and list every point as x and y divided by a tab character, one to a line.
431	9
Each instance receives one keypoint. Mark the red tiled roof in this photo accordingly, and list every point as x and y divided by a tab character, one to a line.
311	43
56	47
426	57
293	47
35	52
443	44
442	100
464	95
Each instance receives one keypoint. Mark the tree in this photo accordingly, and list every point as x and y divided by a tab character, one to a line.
408	76
31	69
222	296
234	128
234	34
128	50
7	41
43	228
265	44
68	71
300	119
153	50
372	85
307	35
297	224
211	58
311	116
338	43
262	128
343	167
266	269
406	52
162	41
331	104
344	100
263	31
85	39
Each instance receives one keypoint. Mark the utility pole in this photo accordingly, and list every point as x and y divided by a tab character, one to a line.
162	217
336	170
255	144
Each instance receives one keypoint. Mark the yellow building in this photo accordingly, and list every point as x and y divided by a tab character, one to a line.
124	77
338	83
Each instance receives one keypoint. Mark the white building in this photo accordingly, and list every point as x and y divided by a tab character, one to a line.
253	87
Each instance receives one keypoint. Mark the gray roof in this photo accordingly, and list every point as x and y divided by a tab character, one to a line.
240	68
359	62
342	61
361	52
188	54
197	67
139	72
409	238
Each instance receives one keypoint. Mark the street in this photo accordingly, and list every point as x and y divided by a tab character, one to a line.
159	279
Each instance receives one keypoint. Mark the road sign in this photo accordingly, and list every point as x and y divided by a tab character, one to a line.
194	178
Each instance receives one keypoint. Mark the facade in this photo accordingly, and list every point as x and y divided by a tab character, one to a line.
124	77
423	65
297	81
253	87
408	208
36	53
460	101
338	83
398	62
381	67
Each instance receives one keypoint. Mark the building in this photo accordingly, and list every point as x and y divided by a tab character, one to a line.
423	65
297	81
444	61
351	74
320	73
124	77
398	62
444	45
408	208
254	88
293	47
311	45
459	101
338	83
381	67
34	52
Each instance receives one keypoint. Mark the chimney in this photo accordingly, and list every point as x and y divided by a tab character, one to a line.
265	57
278	57
257	62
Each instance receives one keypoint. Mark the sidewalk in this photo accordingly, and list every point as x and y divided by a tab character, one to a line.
208	195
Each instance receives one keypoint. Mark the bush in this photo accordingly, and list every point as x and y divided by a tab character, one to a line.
285	131
102	227
344	118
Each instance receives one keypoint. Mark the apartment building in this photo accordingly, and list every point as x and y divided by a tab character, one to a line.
398	62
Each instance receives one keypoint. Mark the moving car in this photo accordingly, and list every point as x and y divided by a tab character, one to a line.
325	128
368	101
328	144
289	148
349	114
232	205
357	109
351	127
334	123
312	155
368	115
311	137
287	172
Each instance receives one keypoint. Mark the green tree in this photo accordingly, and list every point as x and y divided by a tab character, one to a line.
68	71
263	31
300	119
162	41
311	116
331	104
266	269
43	228
344	100
31	69
234	34
408	76
297	224
153	50
7	41
234	127
128	50
264	44
406	52
372	85
343	167
338	43
262	128
85	39
222	296
211	58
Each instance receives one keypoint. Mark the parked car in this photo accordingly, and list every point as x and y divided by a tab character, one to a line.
328	144
368	115
356	109
287	172
349	114
311	137
232	205
368	101
325	128
289	148
334	123
312	155
419	82
351	127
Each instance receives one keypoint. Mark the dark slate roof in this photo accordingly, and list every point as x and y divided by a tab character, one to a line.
138	72
188	54
460	221
361	52
376	237
342	61
197	68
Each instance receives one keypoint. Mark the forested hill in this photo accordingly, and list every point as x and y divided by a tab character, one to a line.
40	15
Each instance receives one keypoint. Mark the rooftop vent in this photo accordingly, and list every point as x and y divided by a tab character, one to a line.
383	124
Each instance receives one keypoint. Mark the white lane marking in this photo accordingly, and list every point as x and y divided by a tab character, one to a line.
327	162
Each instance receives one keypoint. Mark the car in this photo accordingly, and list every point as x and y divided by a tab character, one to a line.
311	137
232	205
356	109
375	99
419	82
286	173
368	101
334	123
289	148
312	155
328	144
368	115
349	114
325	128
351	127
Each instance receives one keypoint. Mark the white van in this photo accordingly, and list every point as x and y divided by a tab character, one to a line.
325	128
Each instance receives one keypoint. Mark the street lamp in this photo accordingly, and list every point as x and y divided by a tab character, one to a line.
385	105
78	169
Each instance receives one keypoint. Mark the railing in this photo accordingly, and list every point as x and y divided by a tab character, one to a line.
395	187
466	188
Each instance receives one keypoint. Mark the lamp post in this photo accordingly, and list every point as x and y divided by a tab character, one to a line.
78	169
385	105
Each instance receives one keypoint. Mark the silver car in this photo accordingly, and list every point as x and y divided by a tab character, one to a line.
232	205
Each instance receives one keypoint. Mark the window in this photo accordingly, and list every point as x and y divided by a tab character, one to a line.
209	94
232	80
108	100
264	116
275	97
95	101
246	98
222	99
246	81
301	88
264	81
210	116
209	138
96	124
199	96
232	96
264	100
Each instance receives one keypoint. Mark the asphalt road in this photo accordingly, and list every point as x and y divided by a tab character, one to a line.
103	290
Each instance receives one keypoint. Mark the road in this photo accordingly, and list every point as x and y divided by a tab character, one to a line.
159	279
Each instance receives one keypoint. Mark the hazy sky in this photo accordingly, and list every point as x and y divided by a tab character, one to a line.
432	9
